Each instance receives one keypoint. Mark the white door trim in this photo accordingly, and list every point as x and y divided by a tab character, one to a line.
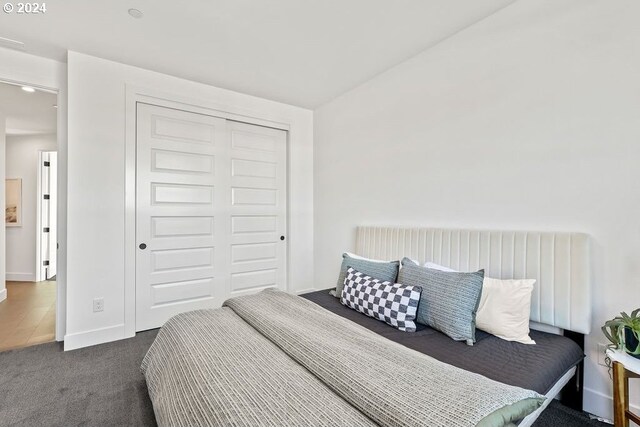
49	76
135	94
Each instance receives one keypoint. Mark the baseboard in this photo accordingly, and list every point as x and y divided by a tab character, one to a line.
600	404
21	277
3	294
93	337
305	291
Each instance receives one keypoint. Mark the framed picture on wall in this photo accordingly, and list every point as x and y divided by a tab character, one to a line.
13	206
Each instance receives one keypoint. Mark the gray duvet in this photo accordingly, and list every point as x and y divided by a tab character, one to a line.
534	367
273	359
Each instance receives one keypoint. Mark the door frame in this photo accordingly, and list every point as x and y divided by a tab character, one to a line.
49	76
134	95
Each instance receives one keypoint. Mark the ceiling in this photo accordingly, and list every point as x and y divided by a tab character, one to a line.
27	113
301	52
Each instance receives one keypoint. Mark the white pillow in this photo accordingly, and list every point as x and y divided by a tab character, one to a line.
435	266
378	260
352	255
504	307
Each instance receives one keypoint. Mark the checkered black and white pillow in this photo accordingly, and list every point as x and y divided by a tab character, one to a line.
392	303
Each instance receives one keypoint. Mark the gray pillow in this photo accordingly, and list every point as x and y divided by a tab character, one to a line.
449	300
383	271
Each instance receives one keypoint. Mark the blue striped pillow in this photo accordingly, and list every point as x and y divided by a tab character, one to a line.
449	300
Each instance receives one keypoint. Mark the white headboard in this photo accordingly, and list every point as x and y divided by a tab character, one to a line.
560	263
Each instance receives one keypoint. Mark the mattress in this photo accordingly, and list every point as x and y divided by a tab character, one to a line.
535	367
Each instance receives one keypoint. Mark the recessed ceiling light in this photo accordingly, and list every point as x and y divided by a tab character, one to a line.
28	89
135	13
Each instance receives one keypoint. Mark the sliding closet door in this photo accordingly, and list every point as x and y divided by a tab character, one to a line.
182	180
258	208
210	211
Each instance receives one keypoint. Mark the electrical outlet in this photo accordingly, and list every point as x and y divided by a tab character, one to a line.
602	348
98	304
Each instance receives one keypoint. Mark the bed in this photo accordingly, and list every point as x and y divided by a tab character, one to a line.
277	359
546	367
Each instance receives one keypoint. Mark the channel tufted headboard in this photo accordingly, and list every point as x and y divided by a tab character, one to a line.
560	263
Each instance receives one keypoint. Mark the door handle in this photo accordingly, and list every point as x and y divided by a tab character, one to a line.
143	246
281	237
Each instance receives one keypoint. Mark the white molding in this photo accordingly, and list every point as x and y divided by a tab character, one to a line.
47	74
21	68
601	404
206	106
306	291
21	277
3	294
93	337
129	249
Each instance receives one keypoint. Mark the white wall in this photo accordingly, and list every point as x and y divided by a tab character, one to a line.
22	162
3	290
526	120
22	68
96	189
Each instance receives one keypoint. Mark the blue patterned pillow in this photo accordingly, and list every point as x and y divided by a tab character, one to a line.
393	303
449	300
382	270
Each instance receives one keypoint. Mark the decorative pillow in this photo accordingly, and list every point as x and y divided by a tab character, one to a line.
504	307
393	303
385	271
435	266
449	300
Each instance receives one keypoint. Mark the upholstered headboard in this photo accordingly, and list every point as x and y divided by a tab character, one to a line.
560	263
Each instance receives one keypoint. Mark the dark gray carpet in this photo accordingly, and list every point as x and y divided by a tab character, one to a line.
95	386
103	386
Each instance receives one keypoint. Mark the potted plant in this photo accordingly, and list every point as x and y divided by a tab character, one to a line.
624	332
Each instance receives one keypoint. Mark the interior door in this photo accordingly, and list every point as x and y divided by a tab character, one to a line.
258	208
52	241
182	182
48	215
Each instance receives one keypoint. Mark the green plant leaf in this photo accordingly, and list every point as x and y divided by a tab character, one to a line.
611	333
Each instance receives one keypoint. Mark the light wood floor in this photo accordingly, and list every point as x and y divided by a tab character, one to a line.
28	314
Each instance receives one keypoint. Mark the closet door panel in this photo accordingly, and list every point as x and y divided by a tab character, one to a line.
258	208
210	211
182	182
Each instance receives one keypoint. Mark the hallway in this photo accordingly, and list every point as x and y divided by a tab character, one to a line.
27	316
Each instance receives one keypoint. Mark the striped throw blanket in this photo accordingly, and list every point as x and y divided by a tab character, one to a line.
273	359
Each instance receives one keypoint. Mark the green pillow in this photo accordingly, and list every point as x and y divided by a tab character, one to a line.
381	270
511	414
